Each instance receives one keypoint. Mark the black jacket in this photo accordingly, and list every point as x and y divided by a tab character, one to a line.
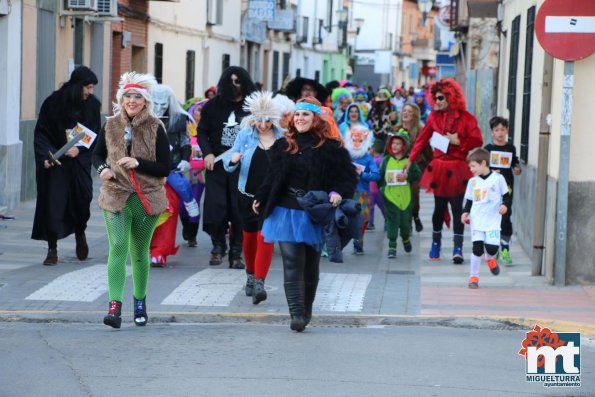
327	168
215	135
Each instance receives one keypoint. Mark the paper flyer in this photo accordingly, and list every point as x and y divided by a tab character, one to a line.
439	141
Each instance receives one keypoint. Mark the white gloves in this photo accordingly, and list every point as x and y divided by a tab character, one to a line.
184	166
192	208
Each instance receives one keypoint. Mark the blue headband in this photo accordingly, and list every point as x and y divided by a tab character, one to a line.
308	106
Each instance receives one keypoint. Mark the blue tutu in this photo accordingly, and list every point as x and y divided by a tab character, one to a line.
290	225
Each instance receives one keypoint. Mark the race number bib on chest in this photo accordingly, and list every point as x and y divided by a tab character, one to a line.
500	159
391	178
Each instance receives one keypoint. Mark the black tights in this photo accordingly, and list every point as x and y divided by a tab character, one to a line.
301	262
478	248
456	206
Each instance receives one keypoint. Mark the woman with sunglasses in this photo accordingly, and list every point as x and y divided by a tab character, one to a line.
250	151
453	132
132	159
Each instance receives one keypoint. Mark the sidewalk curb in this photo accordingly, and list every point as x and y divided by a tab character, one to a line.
323	320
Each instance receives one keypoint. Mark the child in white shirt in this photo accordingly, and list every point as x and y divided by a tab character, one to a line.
487	199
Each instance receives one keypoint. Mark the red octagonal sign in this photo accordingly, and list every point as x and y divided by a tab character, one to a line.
566	28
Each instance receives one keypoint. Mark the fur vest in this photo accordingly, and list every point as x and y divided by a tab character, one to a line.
115	192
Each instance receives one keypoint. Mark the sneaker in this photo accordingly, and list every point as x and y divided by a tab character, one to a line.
260	294
493	265
192	243
158	261
236	263
474	282
392	253
506	257
324	253
418	225
357	248
216	260
370	226
457	256
249	288
113	318
140	312
435	251
192	208
407	245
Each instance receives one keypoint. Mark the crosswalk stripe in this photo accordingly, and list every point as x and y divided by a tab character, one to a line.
340	292
209	287
84	285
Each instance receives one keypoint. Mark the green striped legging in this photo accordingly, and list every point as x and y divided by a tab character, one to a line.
129	231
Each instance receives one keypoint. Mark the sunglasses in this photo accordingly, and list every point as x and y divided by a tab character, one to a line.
138	97
440	98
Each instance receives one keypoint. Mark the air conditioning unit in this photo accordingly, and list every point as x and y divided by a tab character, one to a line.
81	5
316	40
214	12
301	39
107	8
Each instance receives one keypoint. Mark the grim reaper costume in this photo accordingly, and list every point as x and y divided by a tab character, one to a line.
217	131
64	193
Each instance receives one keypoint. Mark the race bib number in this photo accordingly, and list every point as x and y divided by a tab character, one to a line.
480	195
500	159
391	178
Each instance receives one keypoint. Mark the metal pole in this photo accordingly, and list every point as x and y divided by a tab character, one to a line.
542	162
562	194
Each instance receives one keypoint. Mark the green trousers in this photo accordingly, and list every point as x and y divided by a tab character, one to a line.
397	220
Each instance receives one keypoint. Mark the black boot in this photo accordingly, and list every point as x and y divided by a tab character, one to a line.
140	312
113	318
52	257
260	294
309	301
82	249
294	292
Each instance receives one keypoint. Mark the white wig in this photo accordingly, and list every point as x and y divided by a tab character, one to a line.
137	82
285	104
261	105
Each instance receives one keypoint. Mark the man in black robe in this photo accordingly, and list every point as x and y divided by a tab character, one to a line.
217	131
64	193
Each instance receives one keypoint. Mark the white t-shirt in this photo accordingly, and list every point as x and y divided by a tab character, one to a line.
486	195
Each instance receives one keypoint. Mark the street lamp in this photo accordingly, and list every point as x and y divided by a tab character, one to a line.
358	23
425	6
342	24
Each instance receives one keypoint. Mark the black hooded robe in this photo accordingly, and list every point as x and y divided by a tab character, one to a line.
64	193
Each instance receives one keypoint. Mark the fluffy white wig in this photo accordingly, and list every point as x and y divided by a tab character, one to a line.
261	105
137	82
285	104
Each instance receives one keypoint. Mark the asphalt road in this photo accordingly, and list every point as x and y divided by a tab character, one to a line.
256	359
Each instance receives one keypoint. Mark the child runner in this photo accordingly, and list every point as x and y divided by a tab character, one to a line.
487	199
503	160
396	188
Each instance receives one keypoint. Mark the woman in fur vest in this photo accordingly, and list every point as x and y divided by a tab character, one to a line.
307	158
132	159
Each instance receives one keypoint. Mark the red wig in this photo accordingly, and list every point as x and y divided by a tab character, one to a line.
320	128
453	92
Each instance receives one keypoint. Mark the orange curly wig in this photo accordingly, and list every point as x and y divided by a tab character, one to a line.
453	92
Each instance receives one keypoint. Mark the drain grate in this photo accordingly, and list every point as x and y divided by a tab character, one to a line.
403	272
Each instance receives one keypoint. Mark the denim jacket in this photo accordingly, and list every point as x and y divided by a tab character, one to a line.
246	143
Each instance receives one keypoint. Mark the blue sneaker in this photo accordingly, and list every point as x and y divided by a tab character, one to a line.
457	256
407	246
392	253
435	251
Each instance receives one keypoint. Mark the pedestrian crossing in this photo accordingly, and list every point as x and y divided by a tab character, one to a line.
208	288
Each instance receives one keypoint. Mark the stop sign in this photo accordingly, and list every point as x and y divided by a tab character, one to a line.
566	29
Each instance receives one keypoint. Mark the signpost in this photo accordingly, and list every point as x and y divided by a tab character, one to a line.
566	30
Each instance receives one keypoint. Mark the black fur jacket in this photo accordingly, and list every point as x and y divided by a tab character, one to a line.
328	168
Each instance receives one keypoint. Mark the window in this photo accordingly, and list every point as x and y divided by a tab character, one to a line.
329	15
159	62
298	72
527	85
190	68
79	39
225	62
317	75
512	72
275	70
286	59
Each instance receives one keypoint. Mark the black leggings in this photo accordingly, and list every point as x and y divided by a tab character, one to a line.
456	206
479	246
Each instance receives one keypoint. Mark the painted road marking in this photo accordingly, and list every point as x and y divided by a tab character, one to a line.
569	24
85	285
209	287
340	292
